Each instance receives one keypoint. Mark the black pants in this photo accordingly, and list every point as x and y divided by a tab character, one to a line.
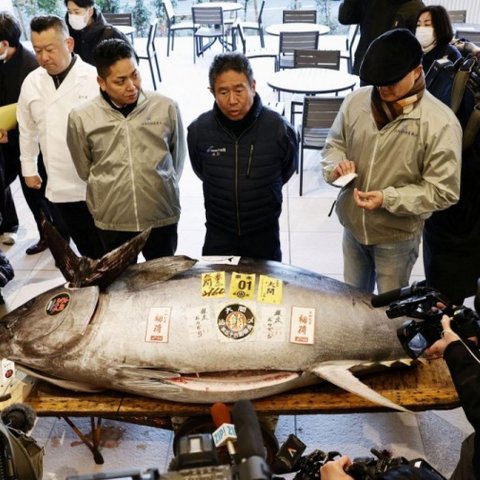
162	241
261	244
8	212
81	228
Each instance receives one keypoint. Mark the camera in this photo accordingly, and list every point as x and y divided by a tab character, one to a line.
424	304
196	457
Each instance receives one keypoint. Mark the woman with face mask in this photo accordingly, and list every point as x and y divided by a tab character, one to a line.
88	28
434	32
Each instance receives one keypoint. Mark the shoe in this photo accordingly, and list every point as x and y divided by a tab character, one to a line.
9	238
40	246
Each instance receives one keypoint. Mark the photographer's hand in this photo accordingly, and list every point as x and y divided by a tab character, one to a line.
448	336
335	469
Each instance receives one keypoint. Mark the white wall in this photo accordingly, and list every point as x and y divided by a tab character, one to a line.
471	6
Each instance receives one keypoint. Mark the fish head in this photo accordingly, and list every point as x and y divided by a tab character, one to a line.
47	325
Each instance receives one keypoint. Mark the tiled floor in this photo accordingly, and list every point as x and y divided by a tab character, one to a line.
310	239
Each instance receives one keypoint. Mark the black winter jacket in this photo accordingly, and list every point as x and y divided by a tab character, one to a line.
243	174
465	372
376	17
88	38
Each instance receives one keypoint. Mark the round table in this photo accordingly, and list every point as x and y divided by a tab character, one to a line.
312	81
276	28
225	6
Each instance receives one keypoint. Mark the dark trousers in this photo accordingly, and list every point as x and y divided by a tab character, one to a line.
8	212
81	228
162	241
465	467
38	204
261	244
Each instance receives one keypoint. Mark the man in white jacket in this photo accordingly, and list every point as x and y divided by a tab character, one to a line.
63	81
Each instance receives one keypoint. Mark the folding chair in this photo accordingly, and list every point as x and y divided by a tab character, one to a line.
174	23
299	16
318	116
209	24
150	52
291	41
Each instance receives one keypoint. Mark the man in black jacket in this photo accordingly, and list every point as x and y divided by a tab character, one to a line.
376	17
244	153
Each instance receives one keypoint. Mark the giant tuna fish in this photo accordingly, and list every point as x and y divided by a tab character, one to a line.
182	330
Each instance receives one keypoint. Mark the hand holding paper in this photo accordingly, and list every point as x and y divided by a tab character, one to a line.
8	117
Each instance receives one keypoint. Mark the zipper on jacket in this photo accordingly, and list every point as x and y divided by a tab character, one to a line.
250	158
367	186
237	206
132	177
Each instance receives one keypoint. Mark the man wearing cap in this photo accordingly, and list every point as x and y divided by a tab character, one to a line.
405	147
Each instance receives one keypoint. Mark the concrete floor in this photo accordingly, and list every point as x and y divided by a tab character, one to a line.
310	239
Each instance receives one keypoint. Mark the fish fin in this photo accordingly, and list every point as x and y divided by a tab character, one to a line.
84	271
340	375
59	382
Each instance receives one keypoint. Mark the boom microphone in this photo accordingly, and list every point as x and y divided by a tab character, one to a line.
225	433
249	443
387	298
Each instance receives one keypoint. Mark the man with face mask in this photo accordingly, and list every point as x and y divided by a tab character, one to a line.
376	17
88	28
405	146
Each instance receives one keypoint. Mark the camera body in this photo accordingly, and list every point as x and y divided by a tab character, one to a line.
417	335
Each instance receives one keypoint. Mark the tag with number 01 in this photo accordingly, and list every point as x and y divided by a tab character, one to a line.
242	286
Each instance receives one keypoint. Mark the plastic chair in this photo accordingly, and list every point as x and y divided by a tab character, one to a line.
311	59
318	116
150	52
258	25
119	20
291	41
299	16
457	16
174	24
255	53
209	24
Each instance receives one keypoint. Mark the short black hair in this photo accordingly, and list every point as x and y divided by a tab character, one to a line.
80	3
10	29
440	22
229	61
109	52
41	23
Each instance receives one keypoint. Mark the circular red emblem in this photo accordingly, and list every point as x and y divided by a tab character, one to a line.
58	303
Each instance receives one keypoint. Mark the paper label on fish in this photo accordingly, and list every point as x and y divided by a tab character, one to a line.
302	325
242	286
199	321
158	325
213	285
273	324
8	373
235	322
270	290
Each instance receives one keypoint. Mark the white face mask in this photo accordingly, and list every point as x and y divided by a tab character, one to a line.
425	36
77	22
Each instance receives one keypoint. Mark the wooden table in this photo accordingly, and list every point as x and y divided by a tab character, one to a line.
311	81
424	387
276	28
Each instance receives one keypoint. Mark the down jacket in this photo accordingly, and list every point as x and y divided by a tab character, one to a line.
243	175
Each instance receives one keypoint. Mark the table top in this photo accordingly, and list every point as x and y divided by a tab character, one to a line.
226	6
125	29
312	81
422	387
276	28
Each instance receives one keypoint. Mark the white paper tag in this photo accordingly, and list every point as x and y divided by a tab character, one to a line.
158	325
344	180
302	325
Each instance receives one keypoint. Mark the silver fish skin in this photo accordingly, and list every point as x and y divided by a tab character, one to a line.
87	338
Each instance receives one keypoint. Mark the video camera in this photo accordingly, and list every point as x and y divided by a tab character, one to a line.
289	459
428	306
196	457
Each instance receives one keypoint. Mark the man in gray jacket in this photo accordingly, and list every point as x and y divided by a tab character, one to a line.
405	146
129	146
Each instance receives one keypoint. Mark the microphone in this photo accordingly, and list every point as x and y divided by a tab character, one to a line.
19	416
288	455
250	443
225	433
386	298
